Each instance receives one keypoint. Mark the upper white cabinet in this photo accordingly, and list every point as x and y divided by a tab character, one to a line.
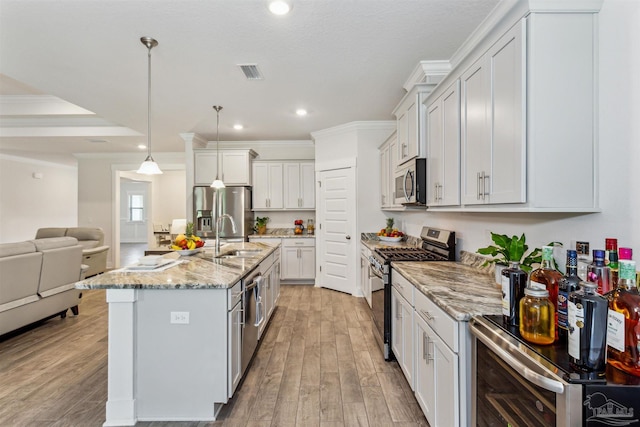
235	166
528	116
493	136
299	189
411	124
388	162
443	142
283	185
267	185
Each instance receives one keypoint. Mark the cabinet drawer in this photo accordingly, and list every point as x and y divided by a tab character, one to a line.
266	264
234	294
298	242
441	323
404	287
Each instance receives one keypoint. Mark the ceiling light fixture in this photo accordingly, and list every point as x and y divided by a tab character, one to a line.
149	166
280	7
217	183
238	126
301	112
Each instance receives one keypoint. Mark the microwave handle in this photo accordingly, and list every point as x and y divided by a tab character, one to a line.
526	372
404	184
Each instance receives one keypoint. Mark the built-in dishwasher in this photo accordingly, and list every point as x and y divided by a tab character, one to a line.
253	316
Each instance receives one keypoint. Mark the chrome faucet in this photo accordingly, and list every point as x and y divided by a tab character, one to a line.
218	223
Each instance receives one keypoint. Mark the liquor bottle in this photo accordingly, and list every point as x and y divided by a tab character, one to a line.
587	316
611	247
583	259
625	253
623	327
514	280
547	277
537	317
568	284
599	273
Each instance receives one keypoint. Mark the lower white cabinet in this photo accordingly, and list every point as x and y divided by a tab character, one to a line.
298	258
365	275
402	339
234	324
270	270
436	377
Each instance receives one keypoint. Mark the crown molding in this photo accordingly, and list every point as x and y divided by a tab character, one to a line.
353	127
428	72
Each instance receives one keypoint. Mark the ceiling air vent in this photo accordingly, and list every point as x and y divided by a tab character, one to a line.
251	71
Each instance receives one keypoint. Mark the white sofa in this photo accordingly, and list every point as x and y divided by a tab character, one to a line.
37	280
94	252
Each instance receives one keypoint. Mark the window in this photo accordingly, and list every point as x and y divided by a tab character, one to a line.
136	207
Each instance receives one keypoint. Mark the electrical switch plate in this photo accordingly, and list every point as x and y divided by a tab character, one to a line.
180	317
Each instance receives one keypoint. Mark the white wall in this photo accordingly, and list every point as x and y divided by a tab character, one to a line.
169	197
28	203
619	138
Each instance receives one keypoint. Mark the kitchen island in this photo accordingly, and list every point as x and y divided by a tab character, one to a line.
175	334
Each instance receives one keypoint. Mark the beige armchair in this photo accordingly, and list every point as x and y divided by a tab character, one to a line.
94	252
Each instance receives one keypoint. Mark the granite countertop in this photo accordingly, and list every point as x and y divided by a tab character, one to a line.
279	233
462	290
199	271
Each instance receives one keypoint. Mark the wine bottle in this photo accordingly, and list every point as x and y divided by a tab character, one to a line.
587	317
547	277
611	247
514	280
568	284
623	327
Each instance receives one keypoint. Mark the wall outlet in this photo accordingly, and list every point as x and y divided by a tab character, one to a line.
180	317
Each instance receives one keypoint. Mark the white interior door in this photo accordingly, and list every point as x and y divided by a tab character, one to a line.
337	209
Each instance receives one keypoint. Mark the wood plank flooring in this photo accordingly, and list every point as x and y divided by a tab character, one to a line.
318	365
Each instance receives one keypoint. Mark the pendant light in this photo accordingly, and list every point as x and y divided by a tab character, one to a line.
149	166
217	183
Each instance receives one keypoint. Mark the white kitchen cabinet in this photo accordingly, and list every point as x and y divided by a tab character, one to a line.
443	140
410	118
299	188
388	161
493	136
267	185
235	343
402	338
235	166
436	377
365	275
298	259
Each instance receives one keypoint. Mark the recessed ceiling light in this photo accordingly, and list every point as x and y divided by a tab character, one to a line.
238	126
142	146
280	7
301	112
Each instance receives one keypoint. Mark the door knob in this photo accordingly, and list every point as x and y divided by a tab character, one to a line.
348	237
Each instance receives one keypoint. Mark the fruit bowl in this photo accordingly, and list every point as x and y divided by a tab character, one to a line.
187	252
390	239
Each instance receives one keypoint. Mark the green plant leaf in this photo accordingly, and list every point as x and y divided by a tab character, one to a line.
516	250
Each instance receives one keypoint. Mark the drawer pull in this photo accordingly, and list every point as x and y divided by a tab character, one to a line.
427	315
425	346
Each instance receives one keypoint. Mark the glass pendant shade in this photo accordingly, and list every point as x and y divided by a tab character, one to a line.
217	184
149	166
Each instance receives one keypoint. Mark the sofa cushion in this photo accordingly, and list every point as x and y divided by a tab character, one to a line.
19	248
95	235
44	233
61	263
19	276
54	242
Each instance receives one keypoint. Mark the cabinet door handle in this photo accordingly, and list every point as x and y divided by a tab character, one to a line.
398	310
241	314
478	186
429	354
485	178
426	314
425	346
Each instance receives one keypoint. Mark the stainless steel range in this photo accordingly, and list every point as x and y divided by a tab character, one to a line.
437	245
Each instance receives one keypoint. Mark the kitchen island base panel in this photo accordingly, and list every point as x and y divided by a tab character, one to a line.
160	370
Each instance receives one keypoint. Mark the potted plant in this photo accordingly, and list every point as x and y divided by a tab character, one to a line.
261	225
508	249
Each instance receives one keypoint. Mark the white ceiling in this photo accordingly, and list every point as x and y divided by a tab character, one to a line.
72	72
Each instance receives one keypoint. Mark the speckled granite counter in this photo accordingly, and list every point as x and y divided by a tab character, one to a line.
198	271
463	291
278	233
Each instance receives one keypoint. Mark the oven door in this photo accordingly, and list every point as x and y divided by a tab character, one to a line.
404	187
513	385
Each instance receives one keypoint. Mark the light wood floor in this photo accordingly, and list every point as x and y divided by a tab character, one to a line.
318	365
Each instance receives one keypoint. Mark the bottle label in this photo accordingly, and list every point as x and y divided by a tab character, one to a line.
615	330
537	285
563	322
575	317
506	296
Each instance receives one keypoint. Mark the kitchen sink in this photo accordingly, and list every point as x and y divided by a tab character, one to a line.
240	253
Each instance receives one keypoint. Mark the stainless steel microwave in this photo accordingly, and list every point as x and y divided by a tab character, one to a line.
410	183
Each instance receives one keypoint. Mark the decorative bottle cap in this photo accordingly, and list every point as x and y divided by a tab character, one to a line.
547	253
572	258
625	253
611	244
598	255
588	285
535	292
627	270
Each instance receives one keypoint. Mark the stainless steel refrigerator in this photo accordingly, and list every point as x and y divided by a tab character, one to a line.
208	206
